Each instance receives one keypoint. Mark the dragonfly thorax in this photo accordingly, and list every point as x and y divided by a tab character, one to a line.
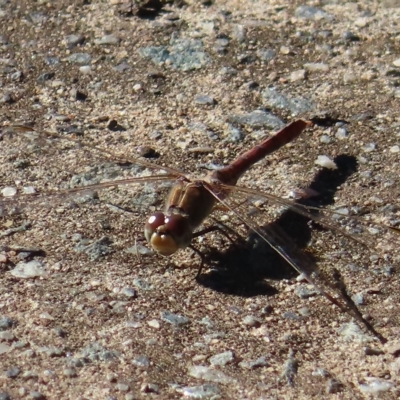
167	233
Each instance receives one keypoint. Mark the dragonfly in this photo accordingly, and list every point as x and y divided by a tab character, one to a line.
191	201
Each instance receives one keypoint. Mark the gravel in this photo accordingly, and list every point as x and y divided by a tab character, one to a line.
93	312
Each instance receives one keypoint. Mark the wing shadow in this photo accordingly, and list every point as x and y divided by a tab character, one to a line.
244	267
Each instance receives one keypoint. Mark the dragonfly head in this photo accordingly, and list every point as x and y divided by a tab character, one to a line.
167	233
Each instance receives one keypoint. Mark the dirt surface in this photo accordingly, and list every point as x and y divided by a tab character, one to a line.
193	84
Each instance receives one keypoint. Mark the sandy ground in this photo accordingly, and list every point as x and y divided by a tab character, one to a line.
95	321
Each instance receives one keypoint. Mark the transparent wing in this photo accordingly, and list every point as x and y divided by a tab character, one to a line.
44	169
60	188
351	250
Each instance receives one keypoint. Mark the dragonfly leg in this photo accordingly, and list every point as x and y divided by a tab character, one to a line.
339	284
202	260
220	227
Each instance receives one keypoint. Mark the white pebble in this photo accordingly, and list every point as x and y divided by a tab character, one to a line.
154	323
31	269
375	385
369	147
29	190
396	63
9	191
85	69
298	75
394	149
342	133
316	67
325	162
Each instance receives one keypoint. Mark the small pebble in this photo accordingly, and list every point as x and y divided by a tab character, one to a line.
12	372
368	147
174	319
316	67
203	99
206	391
154	323
349	77
9	191
141	362
394	149
122	387
108	40
129	292
374	385
79	58
70	372
149	388
350	36
251	320
298	75
259	362
325	162
325	139
222	359
74	40
342	133
5	323
30	269
284	50
85	69
396	62
209	374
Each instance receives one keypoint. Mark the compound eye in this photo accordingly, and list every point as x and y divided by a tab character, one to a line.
178	226
154	221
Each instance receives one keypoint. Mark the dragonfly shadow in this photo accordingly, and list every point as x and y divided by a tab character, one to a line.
244	267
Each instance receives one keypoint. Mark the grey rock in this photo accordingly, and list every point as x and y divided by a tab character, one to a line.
30	269
6	323
96	352
122	387
257	118
235	135
108	40
51	60
17	76
36	395
239	33
308	12
305	291
45	77
79	58
182	54
174	319
122	67
358	299
350	36
74	40
141	362
325	139
12	372
258	363
222	359
251	320
97	249
203	99
266	54
209	374
273	98
205	391
316	67
129	292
